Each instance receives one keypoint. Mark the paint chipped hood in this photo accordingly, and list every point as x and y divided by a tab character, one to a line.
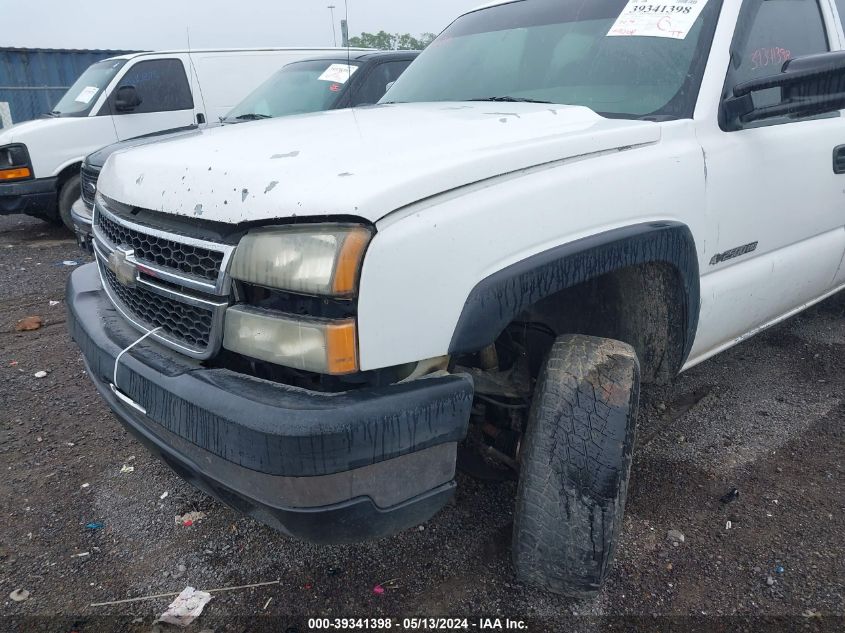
366	162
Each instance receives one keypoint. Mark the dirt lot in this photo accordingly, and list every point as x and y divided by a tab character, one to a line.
766	418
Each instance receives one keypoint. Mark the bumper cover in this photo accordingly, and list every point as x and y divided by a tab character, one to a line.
82	225
34	197
329	468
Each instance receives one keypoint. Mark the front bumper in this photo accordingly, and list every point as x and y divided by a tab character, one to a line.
82	223
33	197
328	468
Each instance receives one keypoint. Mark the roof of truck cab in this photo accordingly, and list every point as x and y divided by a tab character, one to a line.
359	56
195	51
492	4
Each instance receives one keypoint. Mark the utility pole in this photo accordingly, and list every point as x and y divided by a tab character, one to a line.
331	8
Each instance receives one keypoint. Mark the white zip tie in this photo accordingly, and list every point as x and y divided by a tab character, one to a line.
117	360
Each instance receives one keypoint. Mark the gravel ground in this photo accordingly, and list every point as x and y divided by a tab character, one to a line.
765	418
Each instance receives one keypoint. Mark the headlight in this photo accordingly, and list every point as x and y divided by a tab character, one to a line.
317	345
322	259
14	163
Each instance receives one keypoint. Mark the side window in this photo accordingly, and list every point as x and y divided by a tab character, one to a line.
840	6
161	84
375	84
771	32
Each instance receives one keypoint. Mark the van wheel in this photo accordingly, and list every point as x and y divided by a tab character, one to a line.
68	194
576	461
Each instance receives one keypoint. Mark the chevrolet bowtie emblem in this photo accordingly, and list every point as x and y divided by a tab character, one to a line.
123	268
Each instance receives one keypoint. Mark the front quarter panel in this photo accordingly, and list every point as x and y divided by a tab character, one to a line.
426	259
57	143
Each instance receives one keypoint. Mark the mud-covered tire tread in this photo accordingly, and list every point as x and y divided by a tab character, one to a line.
69	193
576	463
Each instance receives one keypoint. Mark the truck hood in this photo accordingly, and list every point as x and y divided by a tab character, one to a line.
366	162
99	158
23	132
60	142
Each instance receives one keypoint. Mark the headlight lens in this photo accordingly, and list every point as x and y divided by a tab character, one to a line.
14	163
320	259
325	347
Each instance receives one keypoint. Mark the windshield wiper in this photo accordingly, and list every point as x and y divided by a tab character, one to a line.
252	117
511	100
54	113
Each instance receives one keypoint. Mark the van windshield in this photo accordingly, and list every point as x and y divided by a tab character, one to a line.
310	86
561	51
83	94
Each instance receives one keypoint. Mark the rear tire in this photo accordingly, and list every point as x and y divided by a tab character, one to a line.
69	194
576	462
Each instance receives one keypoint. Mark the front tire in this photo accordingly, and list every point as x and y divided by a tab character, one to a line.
69	194
576	462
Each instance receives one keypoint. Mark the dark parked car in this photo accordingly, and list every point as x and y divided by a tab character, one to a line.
298	88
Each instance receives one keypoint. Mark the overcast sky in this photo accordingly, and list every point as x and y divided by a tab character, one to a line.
160	24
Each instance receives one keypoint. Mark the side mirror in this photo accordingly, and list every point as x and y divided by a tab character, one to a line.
810	85
126	99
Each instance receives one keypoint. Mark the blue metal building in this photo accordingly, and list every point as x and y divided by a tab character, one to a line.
32	80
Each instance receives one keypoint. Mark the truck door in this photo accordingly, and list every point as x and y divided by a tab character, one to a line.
152	95
775	206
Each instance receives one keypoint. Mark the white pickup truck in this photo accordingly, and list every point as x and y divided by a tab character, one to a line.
123	98
558	200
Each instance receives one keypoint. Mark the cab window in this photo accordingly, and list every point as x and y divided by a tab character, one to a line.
375	85
770	33
161	84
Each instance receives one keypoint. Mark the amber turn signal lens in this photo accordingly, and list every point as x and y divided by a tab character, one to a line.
341	348
349	262
16	173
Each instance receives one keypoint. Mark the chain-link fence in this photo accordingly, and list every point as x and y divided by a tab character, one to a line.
33	80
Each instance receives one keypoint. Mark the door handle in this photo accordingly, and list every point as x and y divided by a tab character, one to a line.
839	159
201	120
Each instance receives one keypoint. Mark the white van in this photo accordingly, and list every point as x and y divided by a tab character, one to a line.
122	98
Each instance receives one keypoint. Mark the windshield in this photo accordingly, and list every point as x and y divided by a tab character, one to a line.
297	88
560	51
83	94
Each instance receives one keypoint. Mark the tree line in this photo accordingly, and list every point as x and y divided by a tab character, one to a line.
392	41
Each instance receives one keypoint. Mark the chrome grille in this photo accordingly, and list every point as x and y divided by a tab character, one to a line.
192	260
180	321
152	278
88	185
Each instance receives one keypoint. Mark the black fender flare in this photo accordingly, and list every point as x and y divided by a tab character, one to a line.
500	298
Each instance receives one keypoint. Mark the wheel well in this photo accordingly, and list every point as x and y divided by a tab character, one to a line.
642	305
66	174
638	284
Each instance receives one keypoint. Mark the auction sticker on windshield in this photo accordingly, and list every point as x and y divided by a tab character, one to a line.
338	73
86	94
672	18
